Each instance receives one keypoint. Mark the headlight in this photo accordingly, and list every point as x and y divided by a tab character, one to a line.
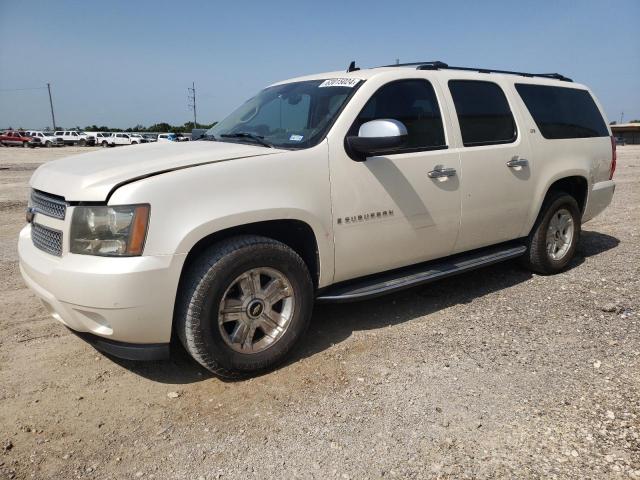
109	231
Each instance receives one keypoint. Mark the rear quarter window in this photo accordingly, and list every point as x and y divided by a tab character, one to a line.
563	112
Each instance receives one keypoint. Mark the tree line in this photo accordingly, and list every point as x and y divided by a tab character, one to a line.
156	127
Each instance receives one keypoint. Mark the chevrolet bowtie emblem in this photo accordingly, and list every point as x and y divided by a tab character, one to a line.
31	212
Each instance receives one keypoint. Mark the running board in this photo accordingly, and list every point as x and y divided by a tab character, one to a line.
392	281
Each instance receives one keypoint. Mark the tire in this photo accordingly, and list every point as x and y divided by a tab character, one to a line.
219	274
82	143
25	145
47	144
549	251
134	143
104	144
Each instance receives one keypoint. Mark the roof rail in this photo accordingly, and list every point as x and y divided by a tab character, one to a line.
438	65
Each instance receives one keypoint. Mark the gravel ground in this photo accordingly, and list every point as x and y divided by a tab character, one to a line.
495	373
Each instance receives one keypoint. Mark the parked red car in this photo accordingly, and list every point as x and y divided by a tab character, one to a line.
13	138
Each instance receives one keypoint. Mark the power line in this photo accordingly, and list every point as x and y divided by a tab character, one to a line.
48	88
21	89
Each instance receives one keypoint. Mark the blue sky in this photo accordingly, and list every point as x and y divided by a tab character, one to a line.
121	63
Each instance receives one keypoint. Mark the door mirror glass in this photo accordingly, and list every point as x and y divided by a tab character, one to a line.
377	136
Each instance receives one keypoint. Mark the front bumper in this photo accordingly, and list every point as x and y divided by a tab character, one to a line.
127	300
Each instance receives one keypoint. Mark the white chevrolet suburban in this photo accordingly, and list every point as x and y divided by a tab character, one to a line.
333	187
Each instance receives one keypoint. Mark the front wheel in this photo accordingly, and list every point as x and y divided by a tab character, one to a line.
82	143
47	144
554	238
243	305
105	144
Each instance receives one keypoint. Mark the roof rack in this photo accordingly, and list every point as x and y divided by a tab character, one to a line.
438	65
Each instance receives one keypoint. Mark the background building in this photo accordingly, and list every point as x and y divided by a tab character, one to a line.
630	132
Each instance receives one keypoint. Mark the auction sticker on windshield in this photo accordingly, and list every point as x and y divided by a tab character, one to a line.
340	82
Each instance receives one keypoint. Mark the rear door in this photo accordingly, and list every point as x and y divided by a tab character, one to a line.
496	167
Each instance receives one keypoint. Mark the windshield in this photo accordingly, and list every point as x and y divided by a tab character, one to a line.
291	115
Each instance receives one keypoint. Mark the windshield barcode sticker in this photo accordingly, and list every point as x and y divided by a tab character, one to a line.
340	82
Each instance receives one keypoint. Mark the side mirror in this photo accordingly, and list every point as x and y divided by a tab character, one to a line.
376	136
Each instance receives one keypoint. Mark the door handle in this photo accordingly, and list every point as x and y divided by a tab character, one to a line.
517	162
441	172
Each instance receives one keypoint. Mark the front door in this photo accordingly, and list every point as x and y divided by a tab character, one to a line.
387	211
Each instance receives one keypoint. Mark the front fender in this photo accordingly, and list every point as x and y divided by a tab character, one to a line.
192	203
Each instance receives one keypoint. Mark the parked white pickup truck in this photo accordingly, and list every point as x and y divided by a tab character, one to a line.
44	139
334	187
115	139
73	137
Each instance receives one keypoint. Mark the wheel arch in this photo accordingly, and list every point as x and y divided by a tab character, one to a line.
576	184
296	234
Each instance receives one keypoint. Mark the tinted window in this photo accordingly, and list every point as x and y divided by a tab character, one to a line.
414	103
483	113
563	112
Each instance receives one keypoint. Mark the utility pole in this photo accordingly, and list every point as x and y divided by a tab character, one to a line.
53	117
621	117
192	103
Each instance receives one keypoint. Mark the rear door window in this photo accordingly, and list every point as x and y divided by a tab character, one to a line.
561	112
483	113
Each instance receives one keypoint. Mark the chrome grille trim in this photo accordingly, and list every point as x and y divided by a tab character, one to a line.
48	204
47	239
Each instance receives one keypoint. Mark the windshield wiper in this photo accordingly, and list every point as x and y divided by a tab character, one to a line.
256	138
207	136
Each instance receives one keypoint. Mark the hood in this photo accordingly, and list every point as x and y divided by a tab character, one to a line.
92	176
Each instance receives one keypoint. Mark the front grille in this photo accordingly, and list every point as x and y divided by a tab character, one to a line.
47	239
48	205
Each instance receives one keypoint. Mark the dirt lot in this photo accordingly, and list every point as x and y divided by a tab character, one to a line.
496	373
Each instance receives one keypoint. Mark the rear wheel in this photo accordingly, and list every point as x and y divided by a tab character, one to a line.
554	238
243	306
